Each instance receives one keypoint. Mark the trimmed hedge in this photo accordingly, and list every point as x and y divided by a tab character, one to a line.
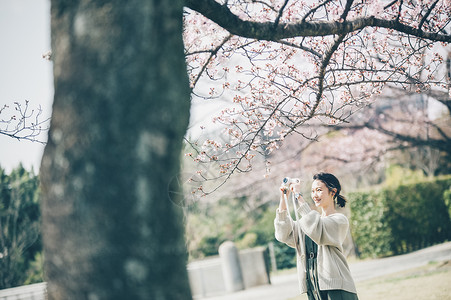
400	219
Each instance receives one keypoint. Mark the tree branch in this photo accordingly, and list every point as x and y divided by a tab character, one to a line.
221	15
212	54
346	10
426	15
306	49
390	4
322	72
399	11
24	124
440	144
279	15
314	9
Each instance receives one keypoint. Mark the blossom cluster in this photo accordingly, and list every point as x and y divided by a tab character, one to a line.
277	88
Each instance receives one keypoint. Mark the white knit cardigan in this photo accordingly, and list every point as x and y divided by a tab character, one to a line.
329	233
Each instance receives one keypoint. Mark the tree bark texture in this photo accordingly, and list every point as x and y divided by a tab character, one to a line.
121	109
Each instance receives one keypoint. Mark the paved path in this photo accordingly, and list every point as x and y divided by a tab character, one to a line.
286	286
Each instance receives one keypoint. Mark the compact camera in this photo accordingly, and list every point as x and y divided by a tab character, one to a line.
287	181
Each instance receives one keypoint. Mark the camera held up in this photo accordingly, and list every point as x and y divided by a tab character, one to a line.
287	181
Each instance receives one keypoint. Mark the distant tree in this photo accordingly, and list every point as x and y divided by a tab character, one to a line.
398	124
403	116
398	127
19	227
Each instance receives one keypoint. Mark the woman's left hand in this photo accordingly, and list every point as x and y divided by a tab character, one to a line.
295	190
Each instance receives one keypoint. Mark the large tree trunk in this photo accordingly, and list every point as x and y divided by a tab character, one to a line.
120	111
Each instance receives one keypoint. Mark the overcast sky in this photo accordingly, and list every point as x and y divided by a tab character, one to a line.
24	74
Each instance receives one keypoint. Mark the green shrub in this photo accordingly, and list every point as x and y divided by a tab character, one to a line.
447	199
249	240
400	219
285	255
370	230
209	245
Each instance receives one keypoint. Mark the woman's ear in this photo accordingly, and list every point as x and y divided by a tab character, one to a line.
334	192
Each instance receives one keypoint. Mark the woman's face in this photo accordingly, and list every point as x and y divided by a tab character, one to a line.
321	194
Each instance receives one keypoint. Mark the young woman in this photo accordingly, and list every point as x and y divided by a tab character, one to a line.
318	238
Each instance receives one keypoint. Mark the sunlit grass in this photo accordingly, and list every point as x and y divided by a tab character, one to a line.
428	282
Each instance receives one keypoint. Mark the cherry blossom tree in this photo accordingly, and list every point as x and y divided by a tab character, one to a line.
402	119
403	125
287	65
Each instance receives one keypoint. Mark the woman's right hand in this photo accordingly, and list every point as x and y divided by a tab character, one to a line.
284	189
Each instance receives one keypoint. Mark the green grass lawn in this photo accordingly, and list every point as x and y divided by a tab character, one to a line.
429	282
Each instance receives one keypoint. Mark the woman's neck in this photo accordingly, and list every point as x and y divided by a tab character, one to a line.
328	210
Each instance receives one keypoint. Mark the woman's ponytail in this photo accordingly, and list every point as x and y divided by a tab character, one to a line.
341	200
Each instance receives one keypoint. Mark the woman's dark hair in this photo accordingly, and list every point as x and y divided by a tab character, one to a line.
332	183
